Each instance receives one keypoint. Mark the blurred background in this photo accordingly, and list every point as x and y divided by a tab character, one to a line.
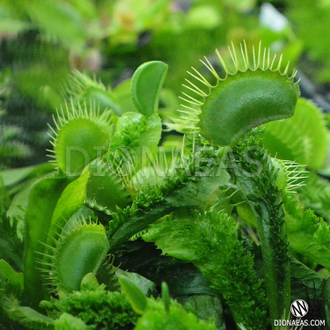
42	42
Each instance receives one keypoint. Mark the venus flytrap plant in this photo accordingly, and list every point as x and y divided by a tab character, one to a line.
253	94
82	128
196	211
80	249
98	186
228	110
82	134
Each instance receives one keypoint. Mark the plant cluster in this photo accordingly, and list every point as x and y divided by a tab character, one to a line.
231	228
213	216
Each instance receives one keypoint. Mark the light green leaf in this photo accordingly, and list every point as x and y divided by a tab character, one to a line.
147	82
42	201
70	201
156	317
134	294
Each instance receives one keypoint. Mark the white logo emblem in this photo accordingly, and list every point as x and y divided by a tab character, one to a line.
299	308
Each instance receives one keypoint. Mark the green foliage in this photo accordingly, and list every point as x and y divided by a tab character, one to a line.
255	176
156	317
69	322
315	195
208	218
211	242
314	36
95	307
308	234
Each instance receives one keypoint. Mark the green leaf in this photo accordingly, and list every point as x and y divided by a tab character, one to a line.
134	294
166	296
42	202
305	282
70	201
147	82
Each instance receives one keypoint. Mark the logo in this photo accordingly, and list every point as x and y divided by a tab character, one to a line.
299	308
